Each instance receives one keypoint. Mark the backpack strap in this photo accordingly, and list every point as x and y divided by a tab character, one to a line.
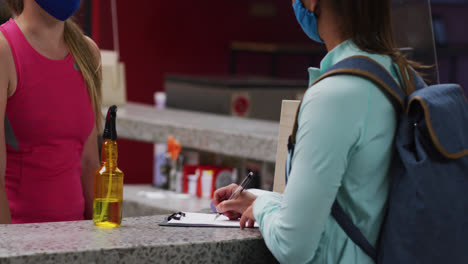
352	231
369	69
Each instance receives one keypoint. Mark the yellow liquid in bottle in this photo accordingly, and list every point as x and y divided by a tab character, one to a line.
110	211
108	188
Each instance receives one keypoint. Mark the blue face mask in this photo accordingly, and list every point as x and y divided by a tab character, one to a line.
60	9
307	20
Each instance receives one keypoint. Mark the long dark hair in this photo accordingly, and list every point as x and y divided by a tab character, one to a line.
368	23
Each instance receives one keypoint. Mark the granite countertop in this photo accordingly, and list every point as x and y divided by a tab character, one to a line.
138	240
233	136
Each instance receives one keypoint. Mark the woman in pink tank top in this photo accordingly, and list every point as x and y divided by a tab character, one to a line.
49	96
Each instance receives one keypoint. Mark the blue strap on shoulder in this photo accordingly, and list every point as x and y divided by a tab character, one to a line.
369	69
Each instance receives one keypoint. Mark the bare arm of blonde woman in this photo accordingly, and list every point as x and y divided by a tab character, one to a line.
89	164
90	156
5	61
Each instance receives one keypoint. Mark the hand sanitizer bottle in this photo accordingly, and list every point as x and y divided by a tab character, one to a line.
108	179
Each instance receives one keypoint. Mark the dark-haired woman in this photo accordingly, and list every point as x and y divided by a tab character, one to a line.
343	144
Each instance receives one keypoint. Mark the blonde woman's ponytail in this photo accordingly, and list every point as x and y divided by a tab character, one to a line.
88	63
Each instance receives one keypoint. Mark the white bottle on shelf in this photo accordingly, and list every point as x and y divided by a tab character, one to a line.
160	149
207	183
160	100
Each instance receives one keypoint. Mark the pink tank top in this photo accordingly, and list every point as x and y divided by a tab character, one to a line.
51	116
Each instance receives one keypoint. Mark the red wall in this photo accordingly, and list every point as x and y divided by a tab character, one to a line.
190	37
193	37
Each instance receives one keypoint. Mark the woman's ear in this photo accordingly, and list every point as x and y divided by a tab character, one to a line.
313	5
310	5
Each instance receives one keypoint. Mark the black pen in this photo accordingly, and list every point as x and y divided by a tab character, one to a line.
239	189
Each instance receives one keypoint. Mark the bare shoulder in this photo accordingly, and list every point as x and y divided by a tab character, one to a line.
5	51
6	64
6	57
94	48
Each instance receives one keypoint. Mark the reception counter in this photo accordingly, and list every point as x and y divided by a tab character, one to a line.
138	240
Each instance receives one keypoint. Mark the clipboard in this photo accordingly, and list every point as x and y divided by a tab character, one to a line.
287	120
183	219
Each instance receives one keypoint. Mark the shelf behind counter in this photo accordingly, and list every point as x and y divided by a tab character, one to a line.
231	136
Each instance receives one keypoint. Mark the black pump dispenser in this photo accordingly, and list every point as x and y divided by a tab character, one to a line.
110	131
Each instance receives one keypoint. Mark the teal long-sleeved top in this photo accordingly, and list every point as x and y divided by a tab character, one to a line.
343	150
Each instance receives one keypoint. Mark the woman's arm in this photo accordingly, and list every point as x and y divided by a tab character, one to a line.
5	216
89	164
330	125
90	157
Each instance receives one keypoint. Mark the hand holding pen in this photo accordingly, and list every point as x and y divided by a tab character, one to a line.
232	201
